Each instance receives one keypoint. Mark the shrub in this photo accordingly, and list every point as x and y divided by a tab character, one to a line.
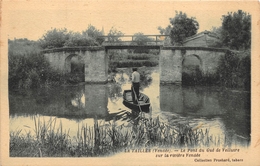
31	71
27	71
234	70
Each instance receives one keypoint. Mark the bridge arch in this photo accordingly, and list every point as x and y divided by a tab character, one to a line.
194	56
73	58
172	59
191	69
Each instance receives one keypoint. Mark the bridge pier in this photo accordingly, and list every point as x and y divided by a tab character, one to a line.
94	58
96	66
170	66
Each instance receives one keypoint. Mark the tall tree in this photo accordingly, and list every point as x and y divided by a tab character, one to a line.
236	30
182	27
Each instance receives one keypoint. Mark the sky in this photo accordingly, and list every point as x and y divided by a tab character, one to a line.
32	19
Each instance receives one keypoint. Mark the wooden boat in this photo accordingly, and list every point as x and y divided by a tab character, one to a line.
144	101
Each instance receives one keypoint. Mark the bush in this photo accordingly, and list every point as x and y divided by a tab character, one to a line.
76	39
234	70
27	71
31	71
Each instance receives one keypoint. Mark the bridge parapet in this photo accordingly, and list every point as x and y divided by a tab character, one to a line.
125	46
130	43
195	48
73	49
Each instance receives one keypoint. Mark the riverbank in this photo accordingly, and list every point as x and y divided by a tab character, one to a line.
105	138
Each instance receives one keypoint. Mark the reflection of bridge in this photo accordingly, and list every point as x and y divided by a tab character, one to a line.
170	63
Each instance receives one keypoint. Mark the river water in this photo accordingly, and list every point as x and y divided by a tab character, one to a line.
224	113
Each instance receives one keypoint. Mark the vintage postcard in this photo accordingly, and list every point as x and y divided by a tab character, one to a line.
120	82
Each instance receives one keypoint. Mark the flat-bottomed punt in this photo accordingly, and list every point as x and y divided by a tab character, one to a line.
143	100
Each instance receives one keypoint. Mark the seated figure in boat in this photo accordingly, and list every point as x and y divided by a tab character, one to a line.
135	85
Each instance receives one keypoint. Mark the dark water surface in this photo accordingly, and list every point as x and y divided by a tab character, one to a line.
224	113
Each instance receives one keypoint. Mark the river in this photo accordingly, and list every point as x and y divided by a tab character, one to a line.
224	113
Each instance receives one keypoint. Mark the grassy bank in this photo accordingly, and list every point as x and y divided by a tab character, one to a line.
102	139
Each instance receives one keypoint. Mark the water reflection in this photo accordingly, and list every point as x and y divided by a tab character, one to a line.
208	107
115	92
224	113
171	98
197	101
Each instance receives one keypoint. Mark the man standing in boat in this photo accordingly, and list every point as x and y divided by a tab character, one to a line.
135	85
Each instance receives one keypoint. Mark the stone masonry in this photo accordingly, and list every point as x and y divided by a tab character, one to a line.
95	60
170	61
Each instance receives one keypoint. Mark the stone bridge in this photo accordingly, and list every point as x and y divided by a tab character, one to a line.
170	60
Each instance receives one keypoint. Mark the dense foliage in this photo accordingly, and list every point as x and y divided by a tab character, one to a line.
181	27
235	33
236	30
54	38
28	68
234	70
76	39
57	38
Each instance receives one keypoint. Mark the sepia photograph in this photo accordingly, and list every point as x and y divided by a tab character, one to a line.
130	82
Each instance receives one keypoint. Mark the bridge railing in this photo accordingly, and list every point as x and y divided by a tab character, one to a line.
131	40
